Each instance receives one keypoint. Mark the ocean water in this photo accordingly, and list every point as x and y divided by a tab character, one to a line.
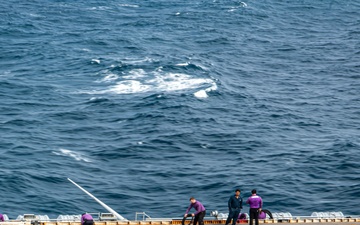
146	103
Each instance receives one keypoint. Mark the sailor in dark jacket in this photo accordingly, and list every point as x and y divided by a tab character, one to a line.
235	206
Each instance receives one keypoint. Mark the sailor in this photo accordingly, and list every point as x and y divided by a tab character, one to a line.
255	203
86	219
262	215
235	206
200	211
2	217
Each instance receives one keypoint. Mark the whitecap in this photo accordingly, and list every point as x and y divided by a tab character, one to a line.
137	61
128	87
75	155
182	64
201	94
135	74
139	81
110	77
96	61
243	4
129	5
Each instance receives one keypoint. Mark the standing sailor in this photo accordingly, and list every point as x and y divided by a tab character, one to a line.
86	219
200	211
235	206
255	203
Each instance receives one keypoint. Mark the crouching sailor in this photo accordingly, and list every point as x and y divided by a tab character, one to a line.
2	218
200	211
86	219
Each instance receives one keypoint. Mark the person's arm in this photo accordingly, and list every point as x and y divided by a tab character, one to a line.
248	201
229	203
241	202
188	209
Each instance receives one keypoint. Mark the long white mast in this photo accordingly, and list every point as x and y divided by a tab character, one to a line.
117	215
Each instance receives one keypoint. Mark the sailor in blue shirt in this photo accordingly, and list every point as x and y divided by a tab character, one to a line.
235	206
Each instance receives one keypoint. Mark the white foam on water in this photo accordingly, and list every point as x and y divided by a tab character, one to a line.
201	94
182	64
135	74
75	155
140	81
178	81
133	61
128	87
100	8
168	83
129	5
243	4
110	77
95	61
5	73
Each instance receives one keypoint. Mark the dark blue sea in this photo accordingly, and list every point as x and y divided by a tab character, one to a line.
147	103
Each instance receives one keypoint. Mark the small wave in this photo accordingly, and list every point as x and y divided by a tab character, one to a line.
129	5
75	155
109	77
135	74
203	93
100	8
95	61
97	100
182	64
189	65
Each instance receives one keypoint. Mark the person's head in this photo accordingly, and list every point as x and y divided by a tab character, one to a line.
192	200
237	192
253	191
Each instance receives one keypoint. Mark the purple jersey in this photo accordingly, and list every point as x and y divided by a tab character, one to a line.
1	217
254	201
197	206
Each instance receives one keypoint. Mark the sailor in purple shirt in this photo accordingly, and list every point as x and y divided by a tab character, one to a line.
200	211
255	203
86	219
1	218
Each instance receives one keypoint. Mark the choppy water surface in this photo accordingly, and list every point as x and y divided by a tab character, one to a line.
146	103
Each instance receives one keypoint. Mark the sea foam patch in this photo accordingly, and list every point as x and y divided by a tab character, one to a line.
139	81
75	155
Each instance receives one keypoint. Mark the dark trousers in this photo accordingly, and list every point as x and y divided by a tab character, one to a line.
254	214
233	214
199	218
88	222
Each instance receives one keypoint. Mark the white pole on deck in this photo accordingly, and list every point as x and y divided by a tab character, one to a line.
117	215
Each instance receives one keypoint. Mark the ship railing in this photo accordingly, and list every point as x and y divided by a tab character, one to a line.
143	215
